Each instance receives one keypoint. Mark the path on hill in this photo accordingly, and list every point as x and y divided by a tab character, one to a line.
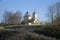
25	35
27	31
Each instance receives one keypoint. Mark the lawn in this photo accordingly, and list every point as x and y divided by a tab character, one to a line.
2	28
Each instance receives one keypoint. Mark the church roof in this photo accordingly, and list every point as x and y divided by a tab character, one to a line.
27	14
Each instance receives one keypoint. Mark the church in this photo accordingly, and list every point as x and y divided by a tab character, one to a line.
28	19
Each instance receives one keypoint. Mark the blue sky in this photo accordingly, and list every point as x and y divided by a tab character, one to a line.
23	6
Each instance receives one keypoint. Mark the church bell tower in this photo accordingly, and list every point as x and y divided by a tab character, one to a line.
35	18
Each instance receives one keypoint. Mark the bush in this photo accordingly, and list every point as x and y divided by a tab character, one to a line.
23	22
50	30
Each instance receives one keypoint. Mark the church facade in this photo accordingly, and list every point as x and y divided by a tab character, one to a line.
28	19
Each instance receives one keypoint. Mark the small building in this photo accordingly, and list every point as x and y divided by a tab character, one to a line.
31	19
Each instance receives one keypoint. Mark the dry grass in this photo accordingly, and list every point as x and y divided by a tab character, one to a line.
2	28
24	35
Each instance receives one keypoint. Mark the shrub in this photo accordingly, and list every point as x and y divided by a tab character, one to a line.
50	30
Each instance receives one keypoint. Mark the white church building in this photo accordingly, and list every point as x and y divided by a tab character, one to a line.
28	19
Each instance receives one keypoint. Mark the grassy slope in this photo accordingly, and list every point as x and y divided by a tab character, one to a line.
2	28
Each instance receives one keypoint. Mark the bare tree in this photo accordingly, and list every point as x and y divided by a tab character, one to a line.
7	17
17	18
12	18
58	12
50	13
54	13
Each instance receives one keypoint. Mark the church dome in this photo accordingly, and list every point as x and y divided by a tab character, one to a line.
27	14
